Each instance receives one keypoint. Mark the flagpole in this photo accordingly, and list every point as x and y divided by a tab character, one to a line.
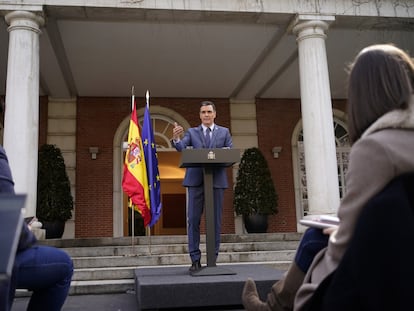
132	206
132	97
148	228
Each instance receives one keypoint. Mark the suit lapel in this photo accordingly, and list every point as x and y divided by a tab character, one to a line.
213	136
202	137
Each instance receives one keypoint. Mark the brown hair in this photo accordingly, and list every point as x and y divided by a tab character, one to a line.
381	79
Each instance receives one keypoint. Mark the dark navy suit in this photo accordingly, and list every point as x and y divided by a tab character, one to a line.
193	180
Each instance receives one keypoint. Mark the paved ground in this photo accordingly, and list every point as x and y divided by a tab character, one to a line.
113	302
107	302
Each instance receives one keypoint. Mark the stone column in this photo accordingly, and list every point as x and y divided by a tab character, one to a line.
317	119
21	121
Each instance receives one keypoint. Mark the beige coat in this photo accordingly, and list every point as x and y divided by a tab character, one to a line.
385	150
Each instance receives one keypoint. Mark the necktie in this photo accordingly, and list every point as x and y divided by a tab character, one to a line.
208	141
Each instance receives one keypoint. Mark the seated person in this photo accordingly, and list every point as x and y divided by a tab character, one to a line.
381	130
375	273
44	270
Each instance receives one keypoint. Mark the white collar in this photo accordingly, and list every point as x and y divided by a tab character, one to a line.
205	127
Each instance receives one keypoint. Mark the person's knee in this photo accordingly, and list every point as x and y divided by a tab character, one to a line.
313	241
65	262
68	262
314	233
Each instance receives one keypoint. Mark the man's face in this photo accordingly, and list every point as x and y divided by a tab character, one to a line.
207	115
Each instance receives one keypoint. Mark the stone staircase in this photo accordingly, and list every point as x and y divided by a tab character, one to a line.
106	265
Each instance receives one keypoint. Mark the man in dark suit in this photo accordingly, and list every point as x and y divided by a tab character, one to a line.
206	135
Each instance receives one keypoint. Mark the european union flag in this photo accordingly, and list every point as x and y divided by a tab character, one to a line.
151	160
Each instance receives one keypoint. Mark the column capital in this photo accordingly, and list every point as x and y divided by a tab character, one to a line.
24	20
311	26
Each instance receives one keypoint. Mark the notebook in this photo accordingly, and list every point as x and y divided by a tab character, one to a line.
321	221
11	219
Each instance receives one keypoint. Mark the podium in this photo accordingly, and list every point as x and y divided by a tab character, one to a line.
209	159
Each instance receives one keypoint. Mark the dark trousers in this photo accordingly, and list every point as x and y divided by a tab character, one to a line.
7	289
313	240
195	208
47	271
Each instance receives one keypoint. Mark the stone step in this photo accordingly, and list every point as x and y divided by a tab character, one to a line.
175	249
102	286
176	259
119	273
107	265
168	239
116	266
107	273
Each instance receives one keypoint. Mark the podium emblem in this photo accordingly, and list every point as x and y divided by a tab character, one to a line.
211	155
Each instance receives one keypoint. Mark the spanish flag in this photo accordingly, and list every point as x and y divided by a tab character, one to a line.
135	181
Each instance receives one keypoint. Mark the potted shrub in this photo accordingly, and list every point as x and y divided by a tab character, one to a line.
255	195
54	199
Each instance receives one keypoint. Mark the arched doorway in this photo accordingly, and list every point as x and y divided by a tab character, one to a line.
173	214
298	156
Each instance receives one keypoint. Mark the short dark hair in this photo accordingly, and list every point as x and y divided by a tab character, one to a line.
381	79
208	103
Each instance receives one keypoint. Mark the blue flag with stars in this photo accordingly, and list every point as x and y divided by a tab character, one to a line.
151	160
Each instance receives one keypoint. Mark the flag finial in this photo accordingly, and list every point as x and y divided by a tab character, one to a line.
132	97
147	97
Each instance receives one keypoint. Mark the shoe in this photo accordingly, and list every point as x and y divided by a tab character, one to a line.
195	266
283	292
250	298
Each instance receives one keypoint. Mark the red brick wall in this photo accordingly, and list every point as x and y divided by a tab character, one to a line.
97	121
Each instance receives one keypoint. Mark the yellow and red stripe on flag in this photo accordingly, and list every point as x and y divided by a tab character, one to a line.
135	180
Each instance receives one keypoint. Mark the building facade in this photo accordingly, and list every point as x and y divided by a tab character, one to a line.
275	69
